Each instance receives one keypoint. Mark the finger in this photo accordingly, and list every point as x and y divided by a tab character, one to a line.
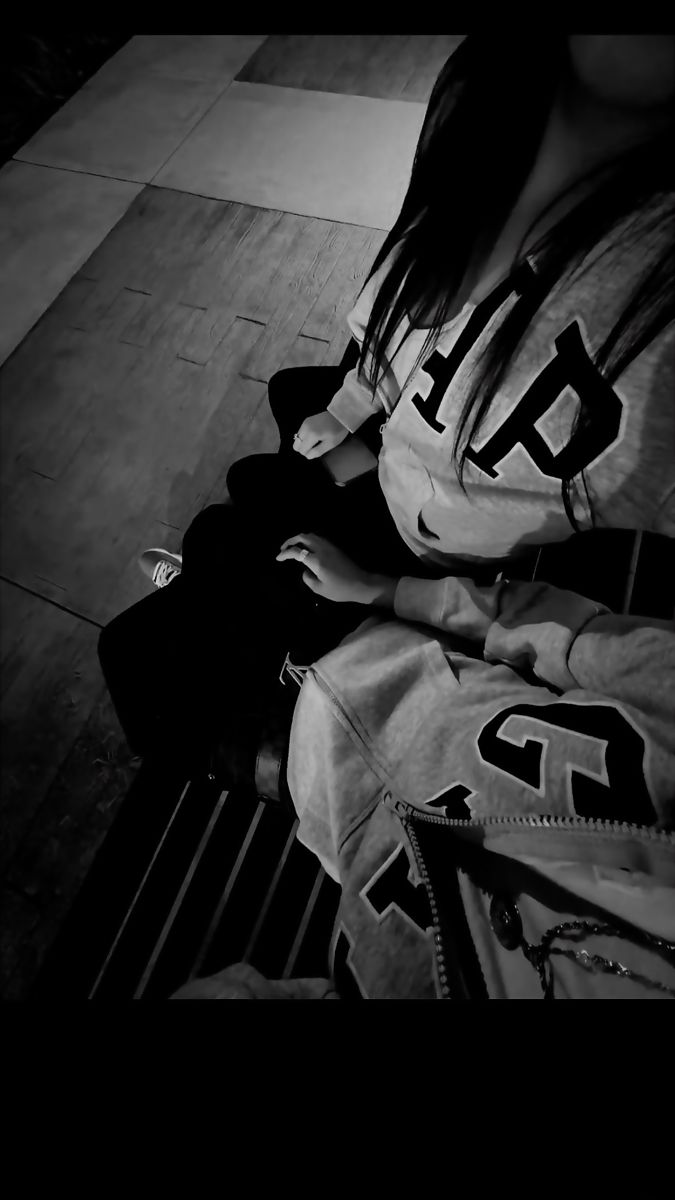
306	443
294	554
311	540
317	544
301	554
312	582
316	451
313	562
298	539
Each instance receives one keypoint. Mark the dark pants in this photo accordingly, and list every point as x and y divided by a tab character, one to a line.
199	658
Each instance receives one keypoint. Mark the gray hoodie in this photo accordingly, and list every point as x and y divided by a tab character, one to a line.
530	719
513	478
496	797
524	698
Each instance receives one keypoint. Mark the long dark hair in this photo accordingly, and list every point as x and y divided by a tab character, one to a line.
482	130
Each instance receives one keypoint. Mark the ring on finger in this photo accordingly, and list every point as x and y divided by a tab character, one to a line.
304	554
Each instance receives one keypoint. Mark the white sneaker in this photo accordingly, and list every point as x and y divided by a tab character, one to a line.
161	566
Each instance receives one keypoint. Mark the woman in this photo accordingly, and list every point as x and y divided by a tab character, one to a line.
496	795
543	307
516	335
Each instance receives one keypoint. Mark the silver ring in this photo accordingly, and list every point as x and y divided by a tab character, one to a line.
296	436
304	554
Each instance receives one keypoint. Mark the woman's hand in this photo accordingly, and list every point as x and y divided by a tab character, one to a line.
332	575
318	434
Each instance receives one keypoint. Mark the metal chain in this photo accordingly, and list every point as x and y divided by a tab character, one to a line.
539	956
593	962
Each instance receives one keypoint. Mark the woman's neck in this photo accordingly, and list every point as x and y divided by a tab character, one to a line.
582	134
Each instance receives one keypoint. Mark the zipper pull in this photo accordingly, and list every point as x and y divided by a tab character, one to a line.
397	806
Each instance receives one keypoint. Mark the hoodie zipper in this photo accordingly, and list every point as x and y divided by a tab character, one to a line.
435	915
408	811
403	812
407	814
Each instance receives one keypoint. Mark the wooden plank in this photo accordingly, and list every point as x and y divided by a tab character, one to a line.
269	61
260	243
108	447
304	923
257	435
70	301
307	352
220	262
341	333
205	946
383	66
160	317
180	897
353	66
124	310
96	304
313	63
338	346
50	682
153	234
151	459
196	256
52	391
96	426
289	242
269	895
293	294
264	257
144	245
366	72
19	956
63	838
229	405
419	85
328	314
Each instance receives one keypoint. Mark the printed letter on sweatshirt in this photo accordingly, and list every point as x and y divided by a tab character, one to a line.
571	367
391	889
591	752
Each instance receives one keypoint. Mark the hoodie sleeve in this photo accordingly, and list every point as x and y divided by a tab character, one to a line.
356	400
567	641
593	658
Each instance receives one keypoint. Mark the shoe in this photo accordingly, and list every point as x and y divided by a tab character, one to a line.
161	566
